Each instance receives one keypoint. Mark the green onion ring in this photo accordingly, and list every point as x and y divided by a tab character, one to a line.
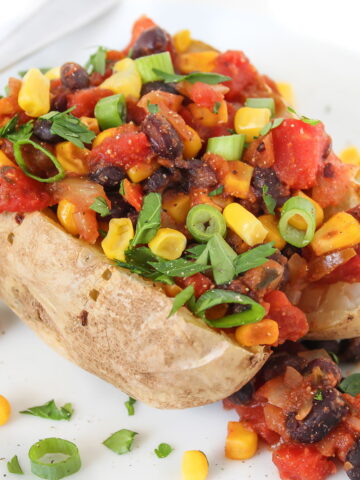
111	111
209	299
20	161
304	208
56	470
203	221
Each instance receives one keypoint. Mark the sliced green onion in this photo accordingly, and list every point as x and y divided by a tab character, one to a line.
211	298
261	103
21	162
54	458
203	221
230	147
111	111
304	208
158	61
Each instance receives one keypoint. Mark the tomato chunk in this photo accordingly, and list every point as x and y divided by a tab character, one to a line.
254	415
200	282
300	462
19	193
298	148
348	272
204	95
85	100
133	194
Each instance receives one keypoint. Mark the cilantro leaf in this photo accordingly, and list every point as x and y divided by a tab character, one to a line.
351	384
179	267
69	127
254	258
269	201
120	442
14	466
137	261
209	78
196	250
217	191
181	299
318	395
129	404
222	258
304	119
51	411
100	206
149	219
14	134
269	126
163	450
152	107
97	61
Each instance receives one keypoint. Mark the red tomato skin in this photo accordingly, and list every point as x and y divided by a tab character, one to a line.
254	414
301	462
298	149
20	193
204	95
200	282
85	100
349	272
133	194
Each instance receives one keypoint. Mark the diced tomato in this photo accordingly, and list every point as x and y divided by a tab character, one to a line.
300	462
9	105
260	152
85	100
134	113
291	320
124	150
79	191
254	415
87	225
200	282
133	194
348	272
204	95
143	23
299	148
332	182
220	166
19	193
96	78
337	443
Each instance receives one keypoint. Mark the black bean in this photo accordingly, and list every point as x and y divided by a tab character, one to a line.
276	366
350	350
330	372
119	207
74	76
59	102
164	139
325	415
353	458
244	395
161	179
109	177
201	175
152	40
328	345
42	129
163	87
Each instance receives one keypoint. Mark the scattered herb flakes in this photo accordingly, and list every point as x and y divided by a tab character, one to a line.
304	119
318	395
152	107
217	191
163	450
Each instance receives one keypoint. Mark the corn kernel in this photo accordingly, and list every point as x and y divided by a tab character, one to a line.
91	123
5	160
198	61
350	155
271	224
72	158
244	224
168	243
140	171
177	205
192	146
117	240
265	332
110	132
182	40
125	79
194	465
65	214
34	94
53	73
298	222
250	121
342	230
171	290
237	181
287	92
241	442
5	410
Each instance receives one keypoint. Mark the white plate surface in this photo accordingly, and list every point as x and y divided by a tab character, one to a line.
326	81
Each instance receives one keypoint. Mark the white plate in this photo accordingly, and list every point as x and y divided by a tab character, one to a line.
326	82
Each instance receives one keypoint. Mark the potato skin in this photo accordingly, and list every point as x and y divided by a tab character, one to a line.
114	323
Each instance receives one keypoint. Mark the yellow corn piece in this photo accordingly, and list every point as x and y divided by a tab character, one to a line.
34	94
53	73
203	115
65	214
72	158
110	132
265	332
182	40
298	222
197	61
192	146
5	160
168	243
194	465
241	442
177	205
91	123
125	79
350	155
342	230
117	240
287	92
244	224
5	410
250	121
139	172
271	224
237	181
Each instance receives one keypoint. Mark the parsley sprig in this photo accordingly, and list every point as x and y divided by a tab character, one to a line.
97	61
209	78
